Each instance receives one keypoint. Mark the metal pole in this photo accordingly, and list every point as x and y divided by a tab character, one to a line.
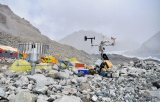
33	65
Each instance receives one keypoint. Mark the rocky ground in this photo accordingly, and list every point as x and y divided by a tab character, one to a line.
129	82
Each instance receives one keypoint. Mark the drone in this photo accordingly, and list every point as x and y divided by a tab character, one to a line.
102	44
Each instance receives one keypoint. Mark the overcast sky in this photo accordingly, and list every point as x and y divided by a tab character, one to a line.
133	19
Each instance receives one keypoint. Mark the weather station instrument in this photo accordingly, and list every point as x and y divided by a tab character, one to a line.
102	44
34	50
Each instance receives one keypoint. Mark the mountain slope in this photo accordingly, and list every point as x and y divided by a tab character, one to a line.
149	48
76	40
14	30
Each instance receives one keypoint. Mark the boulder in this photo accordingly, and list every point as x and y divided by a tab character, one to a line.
75	70
74	81
84	86
136	70
4	67
94	98
42	98
81	79
156	83
52	73
61	75
81	74
24	97
38	71
30	86
40	90
97	77
9	73
40	79
22	81
113	68
63	82
68	99
55	67
115	74
2	92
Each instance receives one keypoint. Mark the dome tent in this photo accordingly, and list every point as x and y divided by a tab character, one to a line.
16	68
24	66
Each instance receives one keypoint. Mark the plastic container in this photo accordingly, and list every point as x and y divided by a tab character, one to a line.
84	70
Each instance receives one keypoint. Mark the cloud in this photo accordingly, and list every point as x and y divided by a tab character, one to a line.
133	19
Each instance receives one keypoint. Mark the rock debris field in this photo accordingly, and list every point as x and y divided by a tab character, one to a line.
128	82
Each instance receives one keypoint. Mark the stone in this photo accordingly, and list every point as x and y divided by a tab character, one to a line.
61	75
40	79
38	71
72	90
22	81
68	71
153	88
84	86
74	81
9	73
19	73
4	67
52	73
43	69
97	77
131	63
136	70
41	90
30	86
68	99
49	81
24	97
81	79
81	74
104	74
112	92
55	67
94	98
84	92
115	74
156	83
28	72
127	97
63	82
42	98
2	92
113	68
106	99
134	75
11	96
75	70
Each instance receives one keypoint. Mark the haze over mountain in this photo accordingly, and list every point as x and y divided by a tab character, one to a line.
149	48
14	30
133	19
76	39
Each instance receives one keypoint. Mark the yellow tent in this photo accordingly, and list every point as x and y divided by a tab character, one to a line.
73	59
41	65
66	59
51	59
27	66
20	68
